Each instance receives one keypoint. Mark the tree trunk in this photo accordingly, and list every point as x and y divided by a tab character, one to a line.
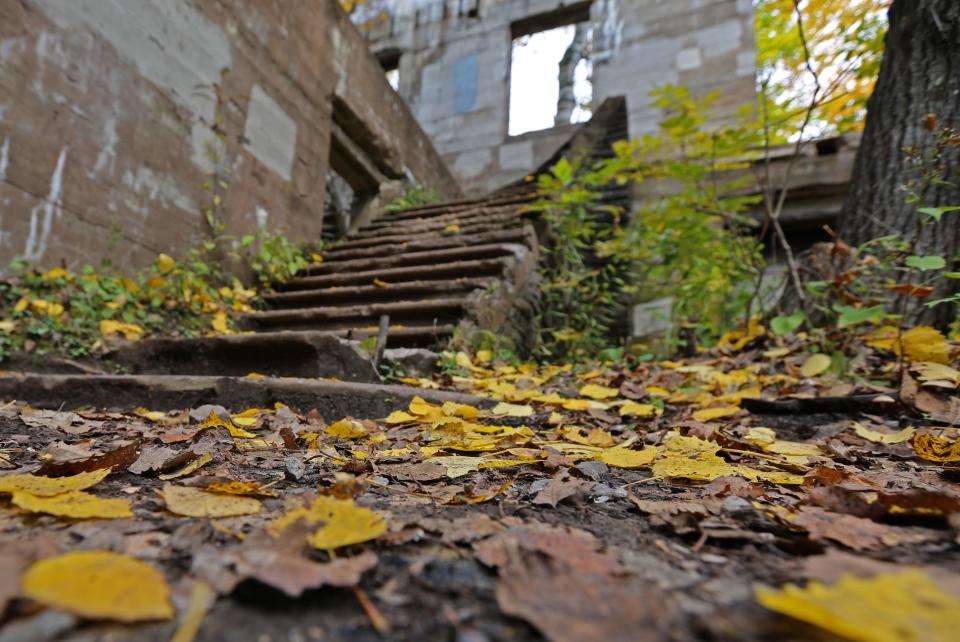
917	96
567	100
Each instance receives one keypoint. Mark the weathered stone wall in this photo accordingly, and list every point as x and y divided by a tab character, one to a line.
107	110
455	67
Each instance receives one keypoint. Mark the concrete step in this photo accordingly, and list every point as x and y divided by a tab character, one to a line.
467	231
453	270
407	259
333	400
427	210
419	290
512	235
456	217
345	317
287	354
437	226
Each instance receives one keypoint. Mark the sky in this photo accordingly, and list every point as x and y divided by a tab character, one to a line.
534	87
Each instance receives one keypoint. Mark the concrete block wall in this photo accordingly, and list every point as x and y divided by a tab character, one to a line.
107	109
455	68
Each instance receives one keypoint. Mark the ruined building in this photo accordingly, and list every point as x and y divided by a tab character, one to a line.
453	62
131	127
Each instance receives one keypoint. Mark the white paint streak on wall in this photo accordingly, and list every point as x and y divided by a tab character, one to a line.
107	157
4	158
156	187
262	216
190	54
271	134
51	206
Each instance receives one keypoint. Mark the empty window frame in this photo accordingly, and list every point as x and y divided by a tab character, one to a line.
550	71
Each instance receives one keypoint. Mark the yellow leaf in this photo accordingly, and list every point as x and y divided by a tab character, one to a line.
929	371
245	422
463	411
582	404
219	322
47	486
151	415
75	503
484	356
593	391
399	417
458	465
381	284
165	263
932	448
347	429
696	459
189	468
8	326
793	451
883	437
924	343
193	502
130	331
344	523
252	489
815	364
452	228
21	305
423	408
889	607
627	458
639	410
214	420
255	375
99	585
462	359
504	409
709	414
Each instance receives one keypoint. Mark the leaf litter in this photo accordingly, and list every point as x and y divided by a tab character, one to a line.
627	501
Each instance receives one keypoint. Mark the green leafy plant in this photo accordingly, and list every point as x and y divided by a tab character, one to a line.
275	258
416	196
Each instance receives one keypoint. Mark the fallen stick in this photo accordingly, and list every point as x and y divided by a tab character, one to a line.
873	403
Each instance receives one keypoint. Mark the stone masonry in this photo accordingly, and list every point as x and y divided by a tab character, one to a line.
454	67
108	110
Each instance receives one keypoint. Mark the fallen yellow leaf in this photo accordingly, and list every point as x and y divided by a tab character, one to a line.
219	322
815	364
627	458
193	502
639	410
504	409
890	607
130	331
100	585
593	391
347	429
344	523
883	437
933	448
213	420
75	504
399	417
709	414
47	486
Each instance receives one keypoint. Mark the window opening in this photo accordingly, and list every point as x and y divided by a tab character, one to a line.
551	78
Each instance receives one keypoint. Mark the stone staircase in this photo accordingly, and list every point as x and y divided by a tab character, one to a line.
421	267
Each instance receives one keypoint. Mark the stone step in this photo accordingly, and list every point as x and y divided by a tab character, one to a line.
506	199
453	270
434	226
408	259
333	400
345	317
470	230
458	217
420	290
286	354
512	235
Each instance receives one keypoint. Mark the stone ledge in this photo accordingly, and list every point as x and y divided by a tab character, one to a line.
333	400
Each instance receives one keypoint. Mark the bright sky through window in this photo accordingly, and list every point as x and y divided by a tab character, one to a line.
534	85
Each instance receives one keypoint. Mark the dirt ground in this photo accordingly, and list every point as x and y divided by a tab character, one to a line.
495	525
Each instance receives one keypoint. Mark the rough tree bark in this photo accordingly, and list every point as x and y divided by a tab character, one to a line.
567	101
918	90
920	75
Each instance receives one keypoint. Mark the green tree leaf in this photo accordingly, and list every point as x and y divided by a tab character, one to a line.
926	262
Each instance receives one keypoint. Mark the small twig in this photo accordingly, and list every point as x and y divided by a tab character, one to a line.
377	620
772	458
